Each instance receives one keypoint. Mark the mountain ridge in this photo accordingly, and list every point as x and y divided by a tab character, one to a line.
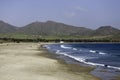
52	28
105	30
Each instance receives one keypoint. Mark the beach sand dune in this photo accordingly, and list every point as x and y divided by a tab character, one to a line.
24	61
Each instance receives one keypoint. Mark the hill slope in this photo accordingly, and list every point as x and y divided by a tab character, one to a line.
105	31
53	28
7	28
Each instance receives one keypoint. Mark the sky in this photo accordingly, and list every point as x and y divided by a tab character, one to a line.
84	13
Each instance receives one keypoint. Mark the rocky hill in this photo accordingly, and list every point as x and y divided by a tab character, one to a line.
105	30
51	28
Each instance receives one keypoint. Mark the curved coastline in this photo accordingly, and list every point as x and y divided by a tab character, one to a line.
30	61
101	72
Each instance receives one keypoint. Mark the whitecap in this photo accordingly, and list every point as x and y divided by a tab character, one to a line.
46	46
102	53
58	51
74	49
65	47
92	51
83	60
118	68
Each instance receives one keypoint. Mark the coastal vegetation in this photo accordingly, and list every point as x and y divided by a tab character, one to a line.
55	39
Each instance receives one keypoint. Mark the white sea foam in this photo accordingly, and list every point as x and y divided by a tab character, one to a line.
46	46
74	49
102	53
118	68
94	64
92	51
83	60
58	51
65	47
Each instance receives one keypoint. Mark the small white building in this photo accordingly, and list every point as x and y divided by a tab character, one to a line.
61	42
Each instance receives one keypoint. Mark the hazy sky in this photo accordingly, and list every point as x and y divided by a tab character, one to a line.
85	13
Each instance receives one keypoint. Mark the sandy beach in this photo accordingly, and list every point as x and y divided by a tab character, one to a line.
28	61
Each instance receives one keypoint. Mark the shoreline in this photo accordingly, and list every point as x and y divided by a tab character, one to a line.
29	61
100	72
72	67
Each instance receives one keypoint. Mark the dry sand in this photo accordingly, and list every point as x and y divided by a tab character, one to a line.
24	61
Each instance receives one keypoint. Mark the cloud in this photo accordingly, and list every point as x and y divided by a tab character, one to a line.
81	9
75	11
69	14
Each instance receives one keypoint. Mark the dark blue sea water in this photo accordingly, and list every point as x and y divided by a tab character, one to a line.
97	54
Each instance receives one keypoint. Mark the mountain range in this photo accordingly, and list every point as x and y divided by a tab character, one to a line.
51	28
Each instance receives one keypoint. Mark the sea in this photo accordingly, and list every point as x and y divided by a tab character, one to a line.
93	54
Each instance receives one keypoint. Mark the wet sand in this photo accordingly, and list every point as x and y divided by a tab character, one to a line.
29	61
